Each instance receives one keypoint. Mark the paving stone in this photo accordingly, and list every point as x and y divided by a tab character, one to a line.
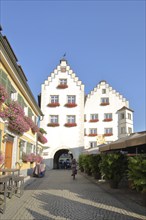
58	197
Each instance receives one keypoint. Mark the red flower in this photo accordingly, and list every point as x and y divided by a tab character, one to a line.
108	119
92	135
52	124
70	124
94	120
55	104
108	134
62	86
70	105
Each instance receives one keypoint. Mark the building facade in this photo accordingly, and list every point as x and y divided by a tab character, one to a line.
74	121
17	104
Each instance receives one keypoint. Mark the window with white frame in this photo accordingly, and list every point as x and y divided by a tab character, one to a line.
22	148
71	119
103	91
71	99
54	118
62	81
129	116
108	116
104	100
108	131
123	130
93	131
29	148
54	99
93	144
93	116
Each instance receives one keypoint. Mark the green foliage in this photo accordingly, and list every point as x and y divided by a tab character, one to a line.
42	131
81	167
94	160
113	166
137	172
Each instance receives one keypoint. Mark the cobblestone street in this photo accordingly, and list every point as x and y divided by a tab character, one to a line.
57	196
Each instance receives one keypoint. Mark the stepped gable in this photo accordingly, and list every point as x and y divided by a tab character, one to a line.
106	86
64	67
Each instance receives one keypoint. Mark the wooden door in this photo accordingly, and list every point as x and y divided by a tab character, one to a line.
8	154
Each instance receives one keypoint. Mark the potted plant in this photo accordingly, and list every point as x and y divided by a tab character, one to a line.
113	166
137	174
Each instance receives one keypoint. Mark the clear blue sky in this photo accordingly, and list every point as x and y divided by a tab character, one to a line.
103	40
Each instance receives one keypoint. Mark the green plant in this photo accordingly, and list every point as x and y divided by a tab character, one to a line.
81	167
137	172
113	166
94	165
86	164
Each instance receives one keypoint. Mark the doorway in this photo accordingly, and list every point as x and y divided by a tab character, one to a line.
8	154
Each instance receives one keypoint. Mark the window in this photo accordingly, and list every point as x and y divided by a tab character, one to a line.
54	118
21	148
63	81
71	119
21	101
94	116
123	130
28	148
129	130
93	144
54	99
71	99
122	115
104	101
103	91
30	114
108	117
93	130
129	116
108	131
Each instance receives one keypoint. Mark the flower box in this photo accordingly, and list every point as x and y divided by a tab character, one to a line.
104	103
108	134
70	124
92	135
94	120
70	105
108	119
55	104
52	124
62	86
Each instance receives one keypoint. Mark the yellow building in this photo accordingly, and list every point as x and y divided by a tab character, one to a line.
15	144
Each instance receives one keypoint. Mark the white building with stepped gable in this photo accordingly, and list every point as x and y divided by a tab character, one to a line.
75	122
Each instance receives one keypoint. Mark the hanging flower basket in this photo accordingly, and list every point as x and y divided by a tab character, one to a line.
70	105
70	124
41	138
55	104
32	125
62	86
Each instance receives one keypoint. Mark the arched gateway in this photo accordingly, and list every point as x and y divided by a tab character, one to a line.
58	154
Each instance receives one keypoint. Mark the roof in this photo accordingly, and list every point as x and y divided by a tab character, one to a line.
125	108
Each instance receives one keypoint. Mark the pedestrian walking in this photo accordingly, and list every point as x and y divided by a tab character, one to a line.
74	168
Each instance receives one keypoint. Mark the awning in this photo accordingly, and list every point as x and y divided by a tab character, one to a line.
133	140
